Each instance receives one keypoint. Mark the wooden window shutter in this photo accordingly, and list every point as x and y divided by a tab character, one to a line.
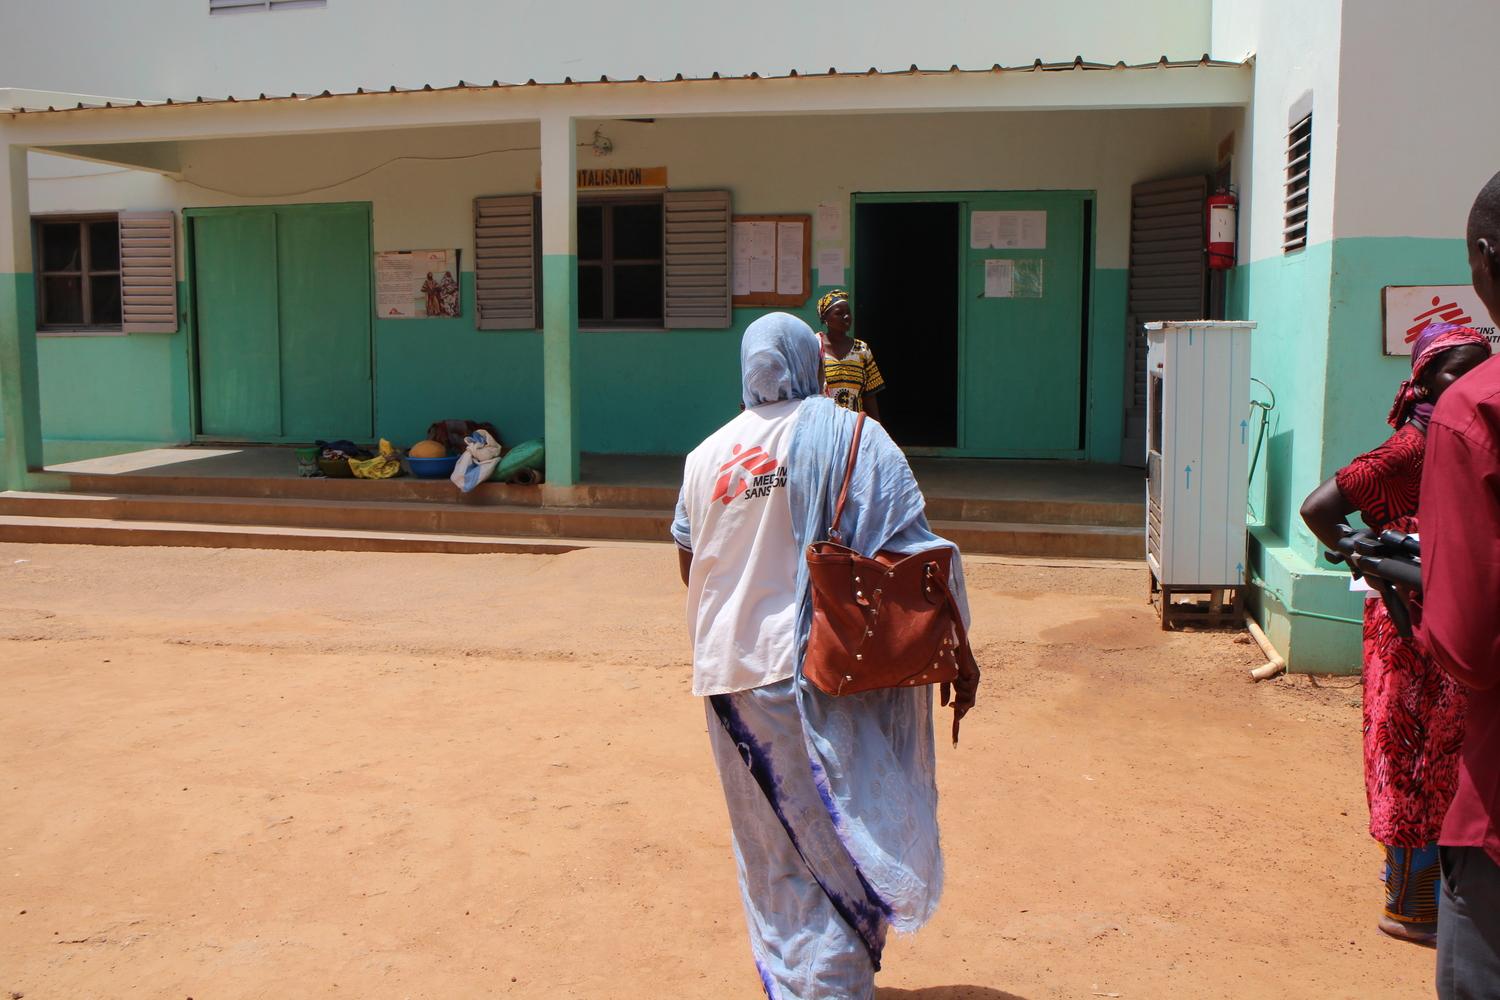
148	272
506	270
695	253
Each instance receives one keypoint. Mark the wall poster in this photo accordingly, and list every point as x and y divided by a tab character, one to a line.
1410	309
417	284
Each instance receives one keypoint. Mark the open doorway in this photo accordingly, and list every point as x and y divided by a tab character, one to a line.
906	275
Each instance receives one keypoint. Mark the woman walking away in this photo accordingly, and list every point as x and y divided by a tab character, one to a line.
832	801
1413	711
849	372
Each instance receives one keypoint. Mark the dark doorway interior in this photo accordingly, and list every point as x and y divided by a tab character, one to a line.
906	275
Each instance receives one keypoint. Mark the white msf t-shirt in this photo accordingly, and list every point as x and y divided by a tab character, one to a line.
742	589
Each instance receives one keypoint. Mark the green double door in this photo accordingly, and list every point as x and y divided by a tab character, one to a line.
283	320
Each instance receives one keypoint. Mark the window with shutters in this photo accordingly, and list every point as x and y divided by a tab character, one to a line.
658	261
249	6
78	273
620	265
1298	174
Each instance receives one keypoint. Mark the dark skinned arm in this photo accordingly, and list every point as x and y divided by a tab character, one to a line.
684	562
1324	510
871	402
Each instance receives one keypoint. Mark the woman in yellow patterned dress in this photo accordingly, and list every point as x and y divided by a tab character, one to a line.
849	372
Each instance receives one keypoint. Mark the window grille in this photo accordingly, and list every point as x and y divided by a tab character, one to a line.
247	6
1298	172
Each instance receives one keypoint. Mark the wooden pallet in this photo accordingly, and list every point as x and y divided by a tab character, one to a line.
1198	606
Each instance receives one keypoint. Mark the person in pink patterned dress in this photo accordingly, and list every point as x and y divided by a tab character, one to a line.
1413	711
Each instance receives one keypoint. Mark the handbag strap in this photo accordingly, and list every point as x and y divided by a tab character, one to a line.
838	510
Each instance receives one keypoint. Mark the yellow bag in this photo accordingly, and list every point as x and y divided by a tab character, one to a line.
383	466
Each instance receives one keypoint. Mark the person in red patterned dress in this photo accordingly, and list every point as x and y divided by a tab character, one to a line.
1413	711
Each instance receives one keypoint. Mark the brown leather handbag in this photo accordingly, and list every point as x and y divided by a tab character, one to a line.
886	622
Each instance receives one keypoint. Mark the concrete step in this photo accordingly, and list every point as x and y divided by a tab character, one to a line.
404	489
1067	541
403	526
441	493
405	517
103	531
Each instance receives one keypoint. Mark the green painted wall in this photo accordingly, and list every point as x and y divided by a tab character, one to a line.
642	392
437	369
630	379
1319	348
17	354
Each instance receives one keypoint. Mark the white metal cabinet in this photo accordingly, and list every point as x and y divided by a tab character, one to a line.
1197	443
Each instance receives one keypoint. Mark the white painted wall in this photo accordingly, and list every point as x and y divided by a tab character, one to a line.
1297	49
173	48
422	182
63	184
1417	136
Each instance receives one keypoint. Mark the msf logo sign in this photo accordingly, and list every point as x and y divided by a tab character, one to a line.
1441	312
751	474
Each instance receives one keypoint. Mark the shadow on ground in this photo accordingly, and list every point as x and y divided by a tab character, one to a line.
947	993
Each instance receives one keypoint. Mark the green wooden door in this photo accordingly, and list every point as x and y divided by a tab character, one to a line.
1021	368
323	254
283	322
239	351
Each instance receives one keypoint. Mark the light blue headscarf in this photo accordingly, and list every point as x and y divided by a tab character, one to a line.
780	358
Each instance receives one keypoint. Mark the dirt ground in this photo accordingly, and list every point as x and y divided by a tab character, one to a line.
275	774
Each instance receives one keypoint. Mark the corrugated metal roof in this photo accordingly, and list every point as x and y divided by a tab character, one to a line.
1078	64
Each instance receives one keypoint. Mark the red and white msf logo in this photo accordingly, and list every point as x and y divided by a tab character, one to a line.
1441	312
742	471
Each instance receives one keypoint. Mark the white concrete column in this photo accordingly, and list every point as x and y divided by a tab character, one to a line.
20	400
560	297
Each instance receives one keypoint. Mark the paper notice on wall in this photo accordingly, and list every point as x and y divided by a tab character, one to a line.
789	262
831	267
416	284
1008	230
982	230
999	278
754	249
829	227
1027	281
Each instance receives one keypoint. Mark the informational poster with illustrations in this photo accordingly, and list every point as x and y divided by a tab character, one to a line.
1411	309
417	284
1008	230
790	237
1011	278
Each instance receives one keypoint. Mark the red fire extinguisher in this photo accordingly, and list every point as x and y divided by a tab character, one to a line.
1221	228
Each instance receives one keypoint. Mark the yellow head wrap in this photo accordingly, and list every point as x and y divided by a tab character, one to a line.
827	302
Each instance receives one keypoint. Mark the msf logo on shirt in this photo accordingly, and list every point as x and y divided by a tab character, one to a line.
752	474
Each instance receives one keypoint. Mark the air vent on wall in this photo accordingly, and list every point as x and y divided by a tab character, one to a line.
1298	171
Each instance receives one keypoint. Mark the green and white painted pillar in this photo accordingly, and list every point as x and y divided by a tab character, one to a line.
560	298
19	393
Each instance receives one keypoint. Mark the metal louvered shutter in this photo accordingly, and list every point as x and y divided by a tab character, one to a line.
148	272
1168	280
695	252
505	263
1298	171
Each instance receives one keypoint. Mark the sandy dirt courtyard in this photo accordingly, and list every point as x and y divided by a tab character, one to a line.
276	774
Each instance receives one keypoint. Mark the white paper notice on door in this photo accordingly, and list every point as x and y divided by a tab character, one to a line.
999	278
789	263
1008	230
